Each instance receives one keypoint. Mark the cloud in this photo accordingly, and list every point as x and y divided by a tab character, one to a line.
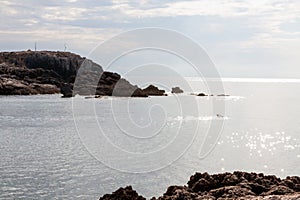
251	26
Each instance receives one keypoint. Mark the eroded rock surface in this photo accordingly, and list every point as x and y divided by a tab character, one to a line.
49	72
126	193
230	186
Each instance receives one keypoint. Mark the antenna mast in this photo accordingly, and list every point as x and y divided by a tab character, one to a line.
65	45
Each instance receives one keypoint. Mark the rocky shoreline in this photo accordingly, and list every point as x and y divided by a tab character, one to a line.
53	72
226	186
50	72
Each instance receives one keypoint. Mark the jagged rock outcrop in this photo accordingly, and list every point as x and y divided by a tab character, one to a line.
230	186
152	90
177	90
48	72
126	193
237	184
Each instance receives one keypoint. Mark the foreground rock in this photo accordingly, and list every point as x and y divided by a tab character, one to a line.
126	193
237	185
49	72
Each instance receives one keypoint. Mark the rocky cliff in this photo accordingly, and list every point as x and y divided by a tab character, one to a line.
49	72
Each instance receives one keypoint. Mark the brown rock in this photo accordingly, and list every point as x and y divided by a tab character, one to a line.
279	190
182	192
230	192
233	186
126	193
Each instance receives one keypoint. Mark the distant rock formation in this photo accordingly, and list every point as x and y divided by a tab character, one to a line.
49	72
225	186
177	90
223	95
152	90
202	95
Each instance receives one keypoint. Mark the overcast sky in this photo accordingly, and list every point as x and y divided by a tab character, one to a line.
251	38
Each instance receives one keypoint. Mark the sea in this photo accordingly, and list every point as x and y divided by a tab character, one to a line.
83	147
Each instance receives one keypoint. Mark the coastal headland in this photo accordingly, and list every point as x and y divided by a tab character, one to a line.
50	72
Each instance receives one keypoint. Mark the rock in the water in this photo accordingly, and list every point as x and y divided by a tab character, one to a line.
177	90
223	95
202	95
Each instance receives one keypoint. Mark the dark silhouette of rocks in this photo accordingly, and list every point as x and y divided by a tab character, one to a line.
222	95
126	193
177	90
49	72
220	116
124	89
202	95
152	90
66	90
237	185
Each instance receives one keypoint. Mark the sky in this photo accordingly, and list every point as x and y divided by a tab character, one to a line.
244	38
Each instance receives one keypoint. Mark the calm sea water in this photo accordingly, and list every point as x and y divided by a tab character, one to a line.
54	148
